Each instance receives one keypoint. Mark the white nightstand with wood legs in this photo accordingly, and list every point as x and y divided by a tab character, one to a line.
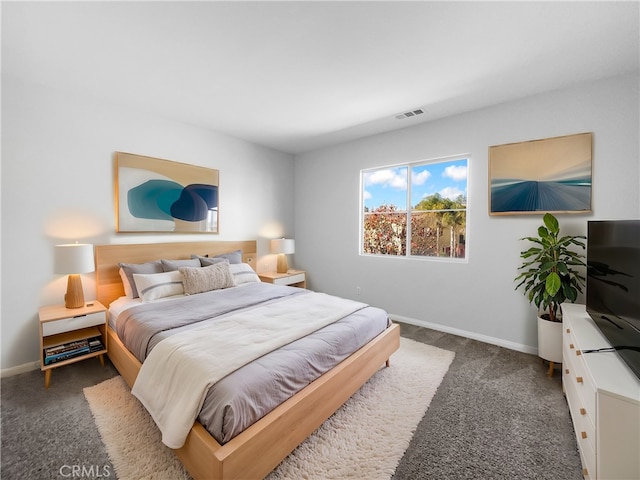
294	278
68	335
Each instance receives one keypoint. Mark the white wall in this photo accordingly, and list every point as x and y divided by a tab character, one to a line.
476	298
57	186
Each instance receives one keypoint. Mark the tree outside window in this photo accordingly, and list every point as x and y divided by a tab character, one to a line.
434	225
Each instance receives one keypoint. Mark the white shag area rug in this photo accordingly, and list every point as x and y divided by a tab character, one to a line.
365	438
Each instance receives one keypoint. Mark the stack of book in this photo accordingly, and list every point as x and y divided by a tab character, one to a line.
69	350
95	344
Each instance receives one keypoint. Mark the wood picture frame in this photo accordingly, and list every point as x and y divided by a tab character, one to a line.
538	176
156	195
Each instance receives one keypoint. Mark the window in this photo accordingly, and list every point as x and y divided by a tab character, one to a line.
417	209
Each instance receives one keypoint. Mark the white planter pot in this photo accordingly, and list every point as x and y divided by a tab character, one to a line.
550	340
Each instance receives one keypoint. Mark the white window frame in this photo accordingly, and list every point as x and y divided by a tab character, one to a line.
409	209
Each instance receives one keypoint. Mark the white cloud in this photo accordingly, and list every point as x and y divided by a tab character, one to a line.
455	172
451	193
420	178
366	195
386	178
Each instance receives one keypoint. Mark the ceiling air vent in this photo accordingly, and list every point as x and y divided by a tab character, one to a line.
411	113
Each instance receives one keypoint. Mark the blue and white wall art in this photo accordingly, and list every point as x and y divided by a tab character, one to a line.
549	175
155	195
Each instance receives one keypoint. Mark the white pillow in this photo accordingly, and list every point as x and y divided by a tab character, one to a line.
153	286
125	283
142	268
243	273
204	279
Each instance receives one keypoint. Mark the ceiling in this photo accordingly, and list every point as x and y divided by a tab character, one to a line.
297	76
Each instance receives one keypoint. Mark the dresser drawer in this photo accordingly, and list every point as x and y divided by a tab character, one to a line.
72	323
579	377
588	457
583	418
297	278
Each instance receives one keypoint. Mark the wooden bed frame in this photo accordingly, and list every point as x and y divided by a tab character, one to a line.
259	449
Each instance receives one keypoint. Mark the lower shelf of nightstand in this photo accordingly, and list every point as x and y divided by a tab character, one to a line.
72	336
68	361
68	337
47	369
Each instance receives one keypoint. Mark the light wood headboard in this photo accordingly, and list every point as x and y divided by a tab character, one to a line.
108	284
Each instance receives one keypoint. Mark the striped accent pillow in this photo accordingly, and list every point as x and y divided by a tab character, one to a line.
128	269
243	273
158	285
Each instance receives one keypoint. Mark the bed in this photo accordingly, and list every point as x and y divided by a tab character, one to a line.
262	446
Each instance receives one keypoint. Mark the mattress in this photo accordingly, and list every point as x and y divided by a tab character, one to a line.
247	394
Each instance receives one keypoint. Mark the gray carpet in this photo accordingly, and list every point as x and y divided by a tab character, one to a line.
48	433
496	415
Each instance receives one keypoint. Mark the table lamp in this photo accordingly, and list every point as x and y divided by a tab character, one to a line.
74	259
282	247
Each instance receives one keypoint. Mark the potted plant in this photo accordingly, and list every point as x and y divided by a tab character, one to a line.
549	277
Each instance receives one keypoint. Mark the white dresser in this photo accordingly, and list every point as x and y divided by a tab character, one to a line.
604	399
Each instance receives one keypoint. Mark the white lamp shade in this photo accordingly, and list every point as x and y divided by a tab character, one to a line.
283	245
73	258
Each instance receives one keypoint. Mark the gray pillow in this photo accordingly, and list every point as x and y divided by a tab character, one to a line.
233	257
206	261
145	268
172	265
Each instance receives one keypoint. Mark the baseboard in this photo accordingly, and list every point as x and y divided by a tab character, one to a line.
24	368
463	333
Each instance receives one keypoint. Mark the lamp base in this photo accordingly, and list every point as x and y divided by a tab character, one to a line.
282	266
74	298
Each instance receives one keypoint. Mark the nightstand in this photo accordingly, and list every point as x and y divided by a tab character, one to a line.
294	278
68	335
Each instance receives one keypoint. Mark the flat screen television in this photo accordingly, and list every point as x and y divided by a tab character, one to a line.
613	285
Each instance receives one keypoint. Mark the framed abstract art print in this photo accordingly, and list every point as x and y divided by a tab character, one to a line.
539	176
155	195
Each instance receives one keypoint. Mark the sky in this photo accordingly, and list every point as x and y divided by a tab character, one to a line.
389	185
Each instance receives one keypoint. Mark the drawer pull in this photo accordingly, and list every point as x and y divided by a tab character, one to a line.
579	379
578	352
583	411
566	370
585	472
571	346
583	434
568	330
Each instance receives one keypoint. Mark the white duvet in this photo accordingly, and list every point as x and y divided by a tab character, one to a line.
175	377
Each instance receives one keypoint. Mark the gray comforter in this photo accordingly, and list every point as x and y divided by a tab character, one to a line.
246	395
